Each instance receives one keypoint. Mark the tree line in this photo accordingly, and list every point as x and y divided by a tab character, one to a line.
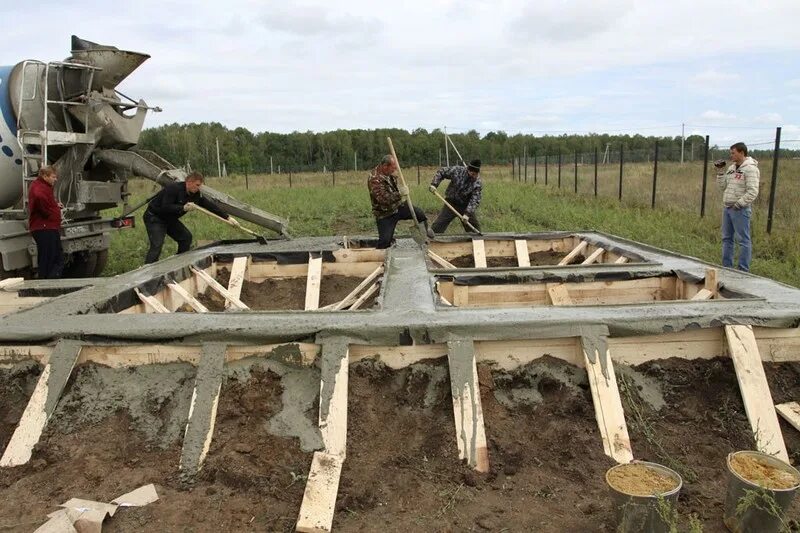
244	151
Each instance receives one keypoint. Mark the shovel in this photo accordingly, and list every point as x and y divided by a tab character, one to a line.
231	222
453	209
421	235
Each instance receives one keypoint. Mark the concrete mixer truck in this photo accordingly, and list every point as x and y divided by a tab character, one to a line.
69	114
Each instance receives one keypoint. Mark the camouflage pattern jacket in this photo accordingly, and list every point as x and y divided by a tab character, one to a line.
463	190
383	194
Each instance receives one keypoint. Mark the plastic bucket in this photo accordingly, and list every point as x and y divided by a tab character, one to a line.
637	513
766	514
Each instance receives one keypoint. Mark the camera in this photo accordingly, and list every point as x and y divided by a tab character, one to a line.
720	163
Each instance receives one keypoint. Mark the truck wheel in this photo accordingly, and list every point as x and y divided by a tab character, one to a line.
80	265
101	261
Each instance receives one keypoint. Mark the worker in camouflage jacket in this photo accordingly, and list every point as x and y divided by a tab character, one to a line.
389	203
739	187
463	193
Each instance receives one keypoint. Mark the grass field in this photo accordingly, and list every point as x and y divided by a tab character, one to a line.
314	207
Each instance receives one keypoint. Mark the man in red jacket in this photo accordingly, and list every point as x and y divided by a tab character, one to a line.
44	223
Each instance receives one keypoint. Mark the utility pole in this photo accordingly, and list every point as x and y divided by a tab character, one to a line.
219	165
683	139
446	148
605	154
270	165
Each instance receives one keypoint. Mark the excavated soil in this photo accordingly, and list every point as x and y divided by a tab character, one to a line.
285	294
402	471
16	386
763	474
544	258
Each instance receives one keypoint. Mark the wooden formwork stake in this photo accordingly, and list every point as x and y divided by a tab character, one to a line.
203	409
350	298
711	283
366	296
193	302
574	253
238	274
559	295
594	257
151	302
620	260
479	253
755	391
523	257
440	261
42	403
703	294
319	498
607	405
214	284
313	282
467	409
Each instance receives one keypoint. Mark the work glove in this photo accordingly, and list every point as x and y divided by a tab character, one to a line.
432	188
465	218
188	206
403	190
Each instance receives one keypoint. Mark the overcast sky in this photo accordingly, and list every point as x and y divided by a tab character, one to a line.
726	68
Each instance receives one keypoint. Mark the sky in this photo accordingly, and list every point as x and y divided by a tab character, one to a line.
729	69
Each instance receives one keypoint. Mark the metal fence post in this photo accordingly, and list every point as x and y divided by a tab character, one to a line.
246	181
333	176
290	178
595	171
534	167
621	165
576	172
775	159
418	174
525	155
655	177
546	166
705	180
513	174
559	169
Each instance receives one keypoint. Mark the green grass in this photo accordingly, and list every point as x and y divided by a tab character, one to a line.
315	210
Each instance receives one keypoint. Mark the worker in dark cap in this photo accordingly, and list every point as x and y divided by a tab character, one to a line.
463	193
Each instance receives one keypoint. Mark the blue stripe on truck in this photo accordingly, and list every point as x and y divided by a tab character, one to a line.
5	100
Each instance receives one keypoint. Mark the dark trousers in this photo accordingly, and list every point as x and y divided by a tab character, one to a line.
386	225
49	254
446	216
158	229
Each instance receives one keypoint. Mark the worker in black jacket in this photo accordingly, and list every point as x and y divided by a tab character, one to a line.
164	211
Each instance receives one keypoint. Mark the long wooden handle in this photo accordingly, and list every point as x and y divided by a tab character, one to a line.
453	209
224	220
402	181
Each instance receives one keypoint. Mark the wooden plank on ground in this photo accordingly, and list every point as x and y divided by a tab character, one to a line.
711	283
467	409
790	411
620	260
703	294
755	391
193	302
523	257
313	282
319	498
238	274
607	406
559	295
593	257
439	261
579	249
479	253
151	302
335	365
214	284
353	296
203	409
42	403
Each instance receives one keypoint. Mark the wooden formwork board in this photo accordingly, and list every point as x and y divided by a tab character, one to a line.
538	293
467	407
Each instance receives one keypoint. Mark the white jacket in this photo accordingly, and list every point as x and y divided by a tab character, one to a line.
740	185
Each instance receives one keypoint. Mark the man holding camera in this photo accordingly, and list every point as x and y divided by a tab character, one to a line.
739	186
